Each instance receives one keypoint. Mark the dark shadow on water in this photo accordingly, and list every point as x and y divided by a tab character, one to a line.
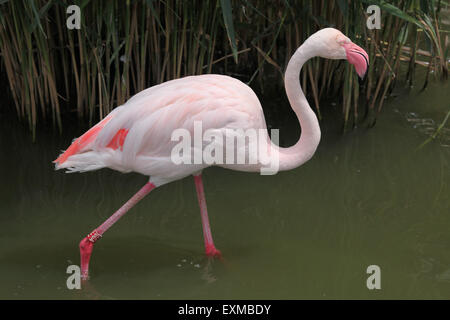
118	259
366	197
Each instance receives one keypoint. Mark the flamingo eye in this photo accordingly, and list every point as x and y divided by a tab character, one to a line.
341	39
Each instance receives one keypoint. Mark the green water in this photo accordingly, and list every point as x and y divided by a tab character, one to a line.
366	198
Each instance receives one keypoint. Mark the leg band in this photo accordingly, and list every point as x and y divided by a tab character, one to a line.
94	236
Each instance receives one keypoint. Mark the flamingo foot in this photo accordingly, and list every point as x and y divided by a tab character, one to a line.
86	247
212	252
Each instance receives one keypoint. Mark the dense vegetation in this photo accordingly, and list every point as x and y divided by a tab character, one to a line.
126	46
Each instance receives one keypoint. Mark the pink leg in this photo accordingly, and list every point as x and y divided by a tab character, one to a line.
87	244
211	250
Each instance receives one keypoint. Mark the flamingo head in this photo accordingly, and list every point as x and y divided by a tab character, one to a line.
331	43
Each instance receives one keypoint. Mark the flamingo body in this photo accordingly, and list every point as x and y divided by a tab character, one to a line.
137	136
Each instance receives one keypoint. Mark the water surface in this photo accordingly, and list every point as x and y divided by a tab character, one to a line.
367	197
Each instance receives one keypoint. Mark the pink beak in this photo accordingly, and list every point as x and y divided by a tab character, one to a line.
357	57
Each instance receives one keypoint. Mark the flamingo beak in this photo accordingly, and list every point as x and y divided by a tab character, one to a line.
357	57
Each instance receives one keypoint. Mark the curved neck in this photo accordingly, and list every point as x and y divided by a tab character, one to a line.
304	149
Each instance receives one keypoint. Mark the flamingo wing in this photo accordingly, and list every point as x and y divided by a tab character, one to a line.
137	136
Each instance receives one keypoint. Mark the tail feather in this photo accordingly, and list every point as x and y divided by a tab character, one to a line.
81	162
81	144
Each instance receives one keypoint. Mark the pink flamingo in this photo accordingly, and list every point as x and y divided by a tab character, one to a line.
137	136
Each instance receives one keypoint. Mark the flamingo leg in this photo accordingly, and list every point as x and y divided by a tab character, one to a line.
87	244
210	249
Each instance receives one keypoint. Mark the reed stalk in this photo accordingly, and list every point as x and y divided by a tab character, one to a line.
124	47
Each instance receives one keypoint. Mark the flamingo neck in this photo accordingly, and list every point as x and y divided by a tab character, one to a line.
303	150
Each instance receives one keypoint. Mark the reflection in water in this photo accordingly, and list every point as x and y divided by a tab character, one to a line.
429	127
368	197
